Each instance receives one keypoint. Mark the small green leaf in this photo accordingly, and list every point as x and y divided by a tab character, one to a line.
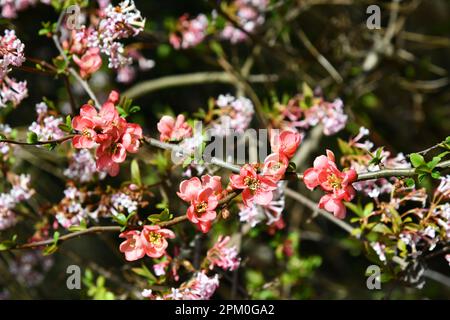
135	172
416	160
32	137
163	216
410	183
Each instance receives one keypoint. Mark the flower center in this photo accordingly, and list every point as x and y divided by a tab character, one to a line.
252	183
86	133
154	238
334	181
201	207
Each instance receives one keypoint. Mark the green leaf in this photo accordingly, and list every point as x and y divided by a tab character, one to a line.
32	137
417	160
432	164
8	244
120	219
80	227
163	216
135	172
436	175
410	183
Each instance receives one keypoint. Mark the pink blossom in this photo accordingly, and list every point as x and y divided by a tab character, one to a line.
132	246
223	255
256	188
202	212
275	166
337	184
189	189
89	63
173	130
189	32
285	143
154	240
112	133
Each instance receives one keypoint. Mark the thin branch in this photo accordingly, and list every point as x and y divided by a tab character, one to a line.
319	57
189	79
37	143
72	71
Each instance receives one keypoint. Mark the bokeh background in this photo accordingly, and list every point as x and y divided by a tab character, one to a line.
403	98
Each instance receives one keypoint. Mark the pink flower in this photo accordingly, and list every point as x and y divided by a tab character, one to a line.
223	255
189	189
285	143
154	240
256	188
202	212
131	138
89	63
85	126
113	134
173	130
275	166
337	184
132	246
189	32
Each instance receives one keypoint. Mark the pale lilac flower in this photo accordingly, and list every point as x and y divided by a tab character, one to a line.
147	293
12	92
379	248
189	32
444	186
223	255
73	213
251	215
20	191
30	268
46	127
123	203
82	167
250	15
236	115
11	52
447	257
11	7
5	130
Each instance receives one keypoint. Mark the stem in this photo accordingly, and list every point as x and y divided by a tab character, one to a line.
72	71
190	79
37	142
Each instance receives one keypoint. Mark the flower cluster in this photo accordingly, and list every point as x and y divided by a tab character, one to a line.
360	160
82	167
336	184
11	7
112	133
30	267
271	212
249	15
19	192
200	287
115	23
222	255
305	111
47	126
151	241
258	188
70	211
5	148
203	196
233	115
11	54
171	129
189	32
